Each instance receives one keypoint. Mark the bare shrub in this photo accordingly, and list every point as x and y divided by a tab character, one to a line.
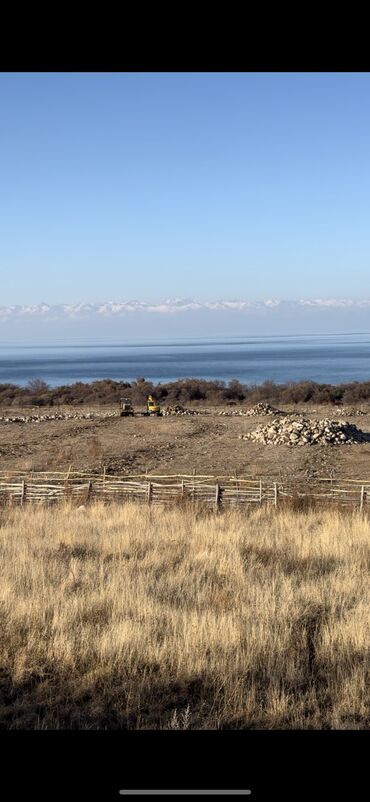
184	391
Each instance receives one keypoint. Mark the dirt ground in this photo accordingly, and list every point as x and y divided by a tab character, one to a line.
207	443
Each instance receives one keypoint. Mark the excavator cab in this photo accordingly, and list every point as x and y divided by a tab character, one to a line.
152	407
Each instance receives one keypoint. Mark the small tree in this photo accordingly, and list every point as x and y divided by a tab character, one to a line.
37	386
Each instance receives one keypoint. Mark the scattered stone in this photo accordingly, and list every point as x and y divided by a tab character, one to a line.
305	431
350	413
32	418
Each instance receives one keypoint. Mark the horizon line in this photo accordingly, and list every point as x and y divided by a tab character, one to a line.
148	341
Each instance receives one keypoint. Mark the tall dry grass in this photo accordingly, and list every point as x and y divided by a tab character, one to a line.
142	618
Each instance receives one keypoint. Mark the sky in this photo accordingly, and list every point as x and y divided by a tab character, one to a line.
204	186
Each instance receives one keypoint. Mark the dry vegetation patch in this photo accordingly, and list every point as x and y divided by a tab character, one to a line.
142	618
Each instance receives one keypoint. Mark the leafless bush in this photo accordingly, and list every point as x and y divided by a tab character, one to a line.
184	391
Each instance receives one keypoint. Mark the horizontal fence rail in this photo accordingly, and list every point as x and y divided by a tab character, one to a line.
217	492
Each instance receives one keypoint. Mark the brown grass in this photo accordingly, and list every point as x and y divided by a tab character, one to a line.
137	618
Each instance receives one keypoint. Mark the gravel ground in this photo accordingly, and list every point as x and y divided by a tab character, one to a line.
207	443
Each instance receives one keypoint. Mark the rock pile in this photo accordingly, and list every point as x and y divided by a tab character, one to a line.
233	412
263	409
299	431
259	409
178	409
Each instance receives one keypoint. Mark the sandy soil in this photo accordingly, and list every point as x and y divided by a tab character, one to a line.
208	443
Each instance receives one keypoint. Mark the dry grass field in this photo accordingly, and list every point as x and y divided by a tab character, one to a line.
140	618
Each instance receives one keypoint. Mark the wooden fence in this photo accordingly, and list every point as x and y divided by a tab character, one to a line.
217	492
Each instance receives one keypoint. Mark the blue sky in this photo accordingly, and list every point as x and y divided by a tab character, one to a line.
209	186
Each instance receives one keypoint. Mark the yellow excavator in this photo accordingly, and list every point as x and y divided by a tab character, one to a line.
152	408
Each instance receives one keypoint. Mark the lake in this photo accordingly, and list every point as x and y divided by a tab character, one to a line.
322	358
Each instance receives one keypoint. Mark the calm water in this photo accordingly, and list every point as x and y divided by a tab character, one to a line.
327	358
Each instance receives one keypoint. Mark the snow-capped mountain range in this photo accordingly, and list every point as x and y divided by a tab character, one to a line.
173	306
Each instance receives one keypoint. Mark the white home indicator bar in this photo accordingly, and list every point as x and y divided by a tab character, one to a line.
185	792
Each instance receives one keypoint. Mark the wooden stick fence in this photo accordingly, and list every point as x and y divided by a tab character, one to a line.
217	492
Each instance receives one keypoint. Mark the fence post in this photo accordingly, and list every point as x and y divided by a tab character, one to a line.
149	493
182	488
237	487
362	497
89	490
66	483
192	492
275	494
260	491
23	492
217	497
